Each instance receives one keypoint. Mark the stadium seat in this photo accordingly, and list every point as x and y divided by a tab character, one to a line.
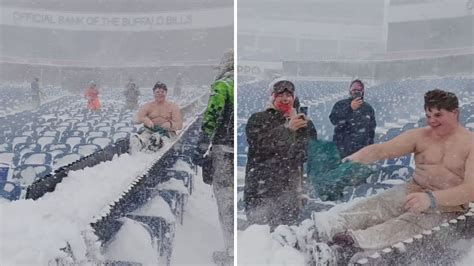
65	159
101	141
10	190
85	149
36	158
26	174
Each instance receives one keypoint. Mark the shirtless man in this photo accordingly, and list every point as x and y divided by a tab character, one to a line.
440	189
159	116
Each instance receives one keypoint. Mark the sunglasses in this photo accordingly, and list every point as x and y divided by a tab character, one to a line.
282	86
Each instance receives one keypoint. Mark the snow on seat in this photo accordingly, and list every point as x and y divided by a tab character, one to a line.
101	141
26	174
65	159
85	149
36	158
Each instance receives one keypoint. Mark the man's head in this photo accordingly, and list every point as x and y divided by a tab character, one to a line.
36	79
160	90
442	110
356	89
283	95
92	83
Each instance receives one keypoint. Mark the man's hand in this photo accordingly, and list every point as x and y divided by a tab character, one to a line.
417	202
149	123
297	122
356	103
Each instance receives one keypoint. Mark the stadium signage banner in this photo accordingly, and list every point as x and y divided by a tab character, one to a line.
177	20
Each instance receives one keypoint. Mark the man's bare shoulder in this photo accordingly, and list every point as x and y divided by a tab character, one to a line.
417	132
149	104
173	105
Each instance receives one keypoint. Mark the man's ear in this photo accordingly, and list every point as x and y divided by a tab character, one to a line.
456	111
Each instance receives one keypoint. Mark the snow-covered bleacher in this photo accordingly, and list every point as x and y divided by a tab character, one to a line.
36	142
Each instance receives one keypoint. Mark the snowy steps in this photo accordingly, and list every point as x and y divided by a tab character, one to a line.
155	199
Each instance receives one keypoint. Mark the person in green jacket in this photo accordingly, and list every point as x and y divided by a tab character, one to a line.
217	140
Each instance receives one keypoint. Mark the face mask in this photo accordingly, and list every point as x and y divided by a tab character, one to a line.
284	108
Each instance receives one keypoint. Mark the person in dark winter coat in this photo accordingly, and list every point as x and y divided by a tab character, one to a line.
131	93
278	139
353	120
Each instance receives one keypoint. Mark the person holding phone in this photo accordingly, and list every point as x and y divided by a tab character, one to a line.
278	140
353	120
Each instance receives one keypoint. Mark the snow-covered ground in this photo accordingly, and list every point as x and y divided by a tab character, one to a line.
33	232
200	234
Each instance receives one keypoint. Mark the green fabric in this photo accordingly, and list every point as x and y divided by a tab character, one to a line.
222	90
328	174
158	129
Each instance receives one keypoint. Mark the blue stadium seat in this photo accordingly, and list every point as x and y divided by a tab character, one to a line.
65	159
5	172
73	141
9	158
10	190
26	174
95	134
130	129
101	141
20	140
108	129
51	133
5	147
85	149
56	149
36	158
43	141
120	135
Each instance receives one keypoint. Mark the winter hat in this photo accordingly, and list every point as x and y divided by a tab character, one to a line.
280	85
356	81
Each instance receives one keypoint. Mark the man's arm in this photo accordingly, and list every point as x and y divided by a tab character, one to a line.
176	119
215	107
142	117
401	145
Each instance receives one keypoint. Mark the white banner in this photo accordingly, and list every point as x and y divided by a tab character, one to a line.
177	20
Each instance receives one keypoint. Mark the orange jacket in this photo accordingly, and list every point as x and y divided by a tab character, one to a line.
92	96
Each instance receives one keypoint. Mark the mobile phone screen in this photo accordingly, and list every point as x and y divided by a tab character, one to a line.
304	110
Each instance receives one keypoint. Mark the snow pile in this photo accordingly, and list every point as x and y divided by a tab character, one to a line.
61	217
201	234
256	247
133	241
467	246
156	207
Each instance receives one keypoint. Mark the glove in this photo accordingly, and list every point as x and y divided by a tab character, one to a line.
197	157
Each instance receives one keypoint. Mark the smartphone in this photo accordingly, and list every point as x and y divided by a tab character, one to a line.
303	110
357	94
